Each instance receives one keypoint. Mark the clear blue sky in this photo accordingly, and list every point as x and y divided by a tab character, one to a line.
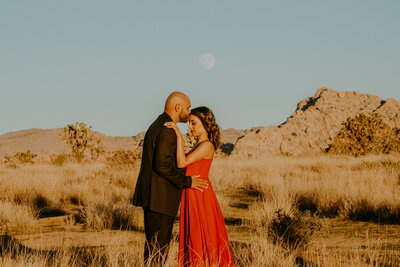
111	64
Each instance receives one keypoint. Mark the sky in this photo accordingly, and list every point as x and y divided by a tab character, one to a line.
112	64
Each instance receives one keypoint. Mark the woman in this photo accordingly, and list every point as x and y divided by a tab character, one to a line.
203	240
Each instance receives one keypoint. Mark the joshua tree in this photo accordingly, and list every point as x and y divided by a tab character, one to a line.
81	139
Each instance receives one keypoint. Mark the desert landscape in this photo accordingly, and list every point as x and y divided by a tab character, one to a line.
320	189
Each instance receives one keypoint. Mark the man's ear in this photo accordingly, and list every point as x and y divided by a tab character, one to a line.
178	108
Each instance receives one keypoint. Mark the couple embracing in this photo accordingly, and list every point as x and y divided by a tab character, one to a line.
168	177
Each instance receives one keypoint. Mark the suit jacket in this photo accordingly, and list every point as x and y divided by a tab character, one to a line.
160	182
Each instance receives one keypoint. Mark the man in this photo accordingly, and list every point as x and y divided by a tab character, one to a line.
160	182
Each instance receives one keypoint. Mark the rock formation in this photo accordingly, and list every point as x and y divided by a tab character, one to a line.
315	123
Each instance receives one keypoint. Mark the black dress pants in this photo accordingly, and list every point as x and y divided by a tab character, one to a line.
158	229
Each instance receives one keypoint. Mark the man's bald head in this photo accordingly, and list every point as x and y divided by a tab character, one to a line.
174	99
178	106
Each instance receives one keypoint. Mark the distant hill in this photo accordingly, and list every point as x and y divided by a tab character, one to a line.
46	141
310	129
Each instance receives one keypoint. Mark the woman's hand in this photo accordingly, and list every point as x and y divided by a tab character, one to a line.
171	124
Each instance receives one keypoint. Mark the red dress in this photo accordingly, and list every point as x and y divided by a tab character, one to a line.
203	240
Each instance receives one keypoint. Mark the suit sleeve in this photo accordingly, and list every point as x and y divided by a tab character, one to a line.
165	160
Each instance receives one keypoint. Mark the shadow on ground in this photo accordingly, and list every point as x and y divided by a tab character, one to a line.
82	256
48	212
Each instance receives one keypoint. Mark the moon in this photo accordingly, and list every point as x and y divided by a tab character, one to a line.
207	61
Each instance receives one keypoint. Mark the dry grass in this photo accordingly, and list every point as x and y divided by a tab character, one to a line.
333	190
15	217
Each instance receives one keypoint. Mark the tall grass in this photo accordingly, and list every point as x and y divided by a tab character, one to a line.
366	188
250	194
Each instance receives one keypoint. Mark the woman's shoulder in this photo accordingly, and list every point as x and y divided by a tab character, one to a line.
206	144
207	147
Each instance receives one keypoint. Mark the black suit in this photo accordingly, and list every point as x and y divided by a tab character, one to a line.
159	185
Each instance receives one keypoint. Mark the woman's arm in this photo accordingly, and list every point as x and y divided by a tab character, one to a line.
204	150
180	150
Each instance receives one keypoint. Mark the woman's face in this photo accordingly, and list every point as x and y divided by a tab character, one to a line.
195	126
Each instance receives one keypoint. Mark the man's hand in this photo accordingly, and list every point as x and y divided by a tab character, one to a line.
198	183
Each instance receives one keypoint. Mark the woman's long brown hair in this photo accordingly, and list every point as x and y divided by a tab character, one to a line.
207	118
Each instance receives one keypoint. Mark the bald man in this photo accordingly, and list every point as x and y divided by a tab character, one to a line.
160	182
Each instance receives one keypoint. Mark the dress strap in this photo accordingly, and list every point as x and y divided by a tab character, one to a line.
199	144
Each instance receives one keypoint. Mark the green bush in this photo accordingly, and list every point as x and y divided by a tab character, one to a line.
21	157
226	149
365	134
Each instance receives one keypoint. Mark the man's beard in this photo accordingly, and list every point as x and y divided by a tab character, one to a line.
183	117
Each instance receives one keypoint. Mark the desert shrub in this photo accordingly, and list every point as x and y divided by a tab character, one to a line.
292	232
26	157
39	202
81	139
365	134
60	159
307	202
20	157
43	208
97	216
226	149
122	158
315	204
331	208
32	199
363	210
9	163
101	216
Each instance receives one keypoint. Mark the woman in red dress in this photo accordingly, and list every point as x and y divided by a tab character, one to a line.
203	240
